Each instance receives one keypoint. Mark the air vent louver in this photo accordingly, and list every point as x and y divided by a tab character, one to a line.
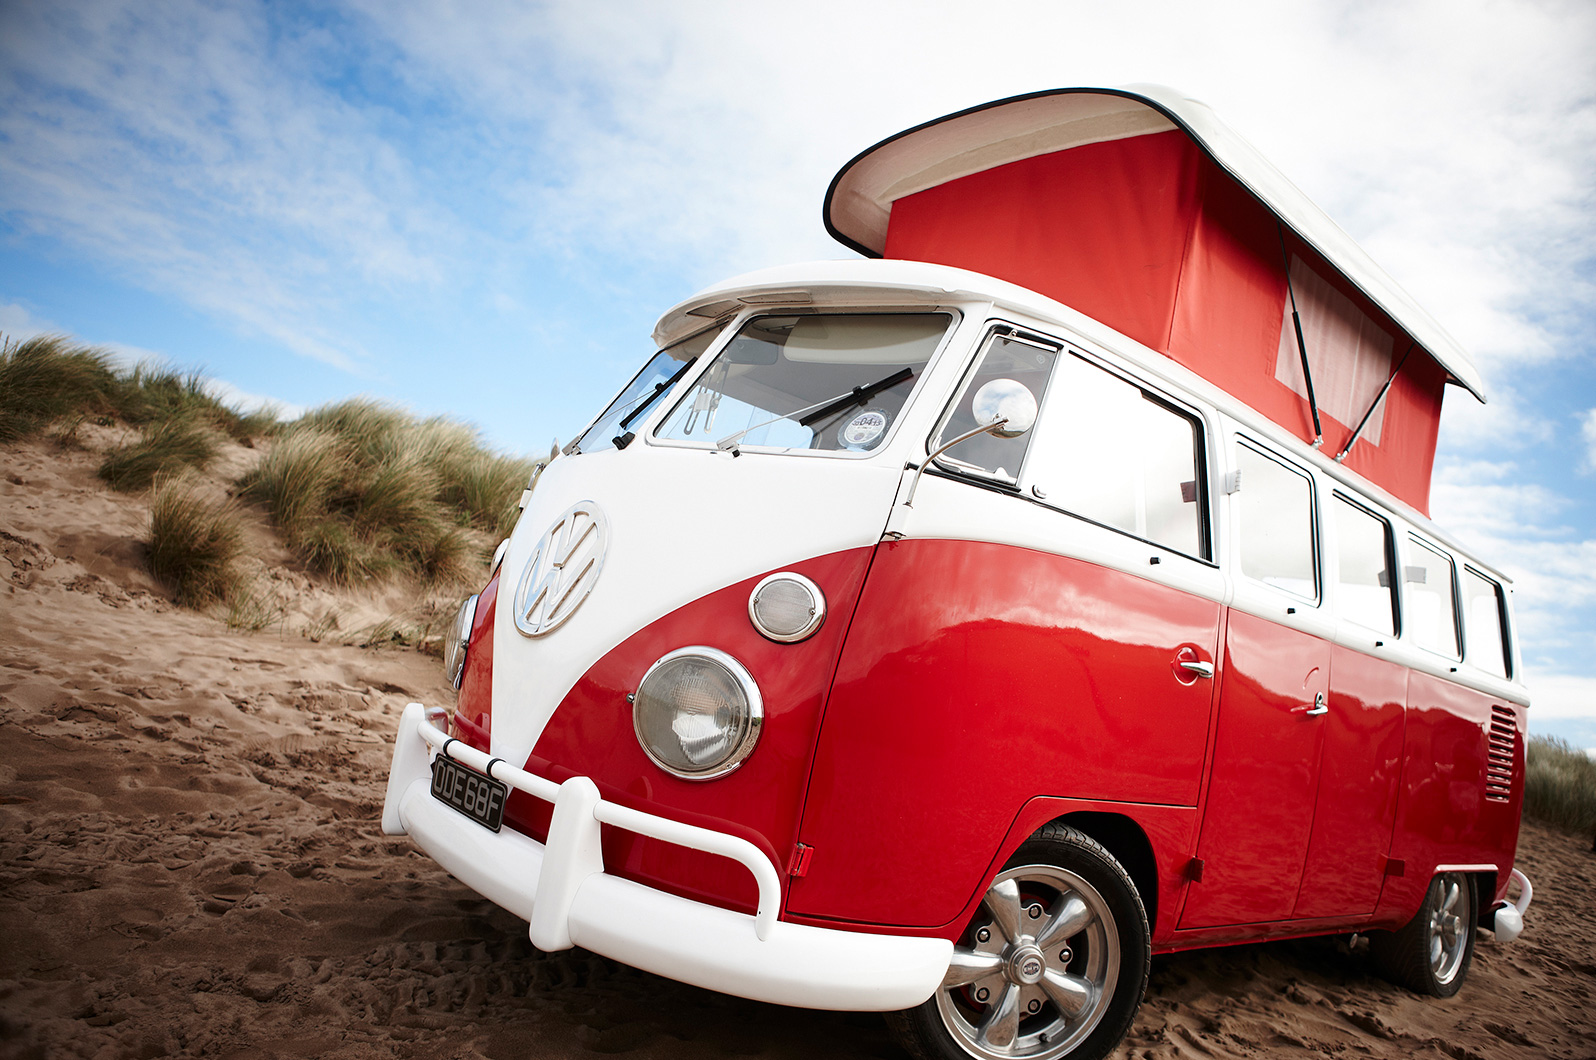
1500	755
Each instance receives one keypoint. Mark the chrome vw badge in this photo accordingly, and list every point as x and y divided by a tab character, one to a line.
562	569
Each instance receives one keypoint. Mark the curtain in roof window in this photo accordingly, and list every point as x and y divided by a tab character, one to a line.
1350	354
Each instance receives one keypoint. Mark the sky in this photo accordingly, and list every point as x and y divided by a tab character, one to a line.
479	209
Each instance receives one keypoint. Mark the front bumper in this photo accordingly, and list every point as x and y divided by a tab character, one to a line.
562	890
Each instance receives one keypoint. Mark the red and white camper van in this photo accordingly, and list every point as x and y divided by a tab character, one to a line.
945	633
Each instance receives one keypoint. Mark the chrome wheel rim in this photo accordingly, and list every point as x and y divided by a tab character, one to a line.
1035	971
1448	935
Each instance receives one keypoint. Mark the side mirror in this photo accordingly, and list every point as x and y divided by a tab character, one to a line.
1007	408
1002	407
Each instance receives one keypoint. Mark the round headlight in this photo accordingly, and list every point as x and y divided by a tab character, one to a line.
786	607
697	713
456	639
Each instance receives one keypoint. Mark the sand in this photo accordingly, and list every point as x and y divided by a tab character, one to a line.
191	862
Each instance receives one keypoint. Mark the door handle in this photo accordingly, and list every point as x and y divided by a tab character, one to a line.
1319	707
1200	668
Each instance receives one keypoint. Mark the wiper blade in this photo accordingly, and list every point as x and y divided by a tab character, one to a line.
820	410
859	395
659	388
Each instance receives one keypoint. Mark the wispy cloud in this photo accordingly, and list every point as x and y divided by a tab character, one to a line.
183	147
1588	430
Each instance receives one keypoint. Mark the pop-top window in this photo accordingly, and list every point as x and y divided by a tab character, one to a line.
1112	453
658	376
1006	356
1482	611
1365	590
831	381
1276	524
1431	608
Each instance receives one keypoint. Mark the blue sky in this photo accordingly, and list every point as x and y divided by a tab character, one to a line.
479	209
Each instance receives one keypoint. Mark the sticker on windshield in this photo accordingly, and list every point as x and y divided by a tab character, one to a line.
864	430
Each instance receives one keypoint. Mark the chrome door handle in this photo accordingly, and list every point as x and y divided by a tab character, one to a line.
1319	707
1201	669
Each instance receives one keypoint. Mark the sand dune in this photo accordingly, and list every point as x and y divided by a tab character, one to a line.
191	864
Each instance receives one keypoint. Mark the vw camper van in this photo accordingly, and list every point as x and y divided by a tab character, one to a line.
945	632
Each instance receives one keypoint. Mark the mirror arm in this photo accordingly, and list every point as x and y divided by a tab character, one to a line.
908	502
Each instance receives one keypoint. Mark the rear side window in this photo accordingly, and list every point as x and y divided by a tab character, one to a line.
1113	453
1431	607
1276	526
1484	628
1365	590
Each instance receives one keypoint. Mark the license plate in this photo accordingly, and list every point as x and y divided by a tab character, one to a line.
478	797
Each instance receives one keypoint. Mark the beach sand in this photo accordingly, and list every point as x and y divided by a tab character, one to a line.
191	863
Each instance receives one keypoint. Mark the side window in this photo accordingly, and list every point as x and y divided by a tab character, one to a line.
1431	608
1114	454
1365	590
1482	613
1006	356
1276	524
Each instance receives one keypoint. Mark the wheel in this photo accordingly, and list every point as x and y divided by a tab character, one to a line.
1430	954
1053	964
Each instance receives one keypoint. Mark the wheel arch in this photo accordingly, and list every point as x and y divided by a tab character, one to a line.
1122	837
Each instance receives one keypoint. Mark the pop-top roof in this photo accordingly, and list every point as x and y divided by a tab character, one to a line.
859	201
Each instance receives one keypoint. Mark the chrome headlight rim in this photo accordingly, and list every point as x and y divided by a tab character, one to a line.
815	621
745	683
457	640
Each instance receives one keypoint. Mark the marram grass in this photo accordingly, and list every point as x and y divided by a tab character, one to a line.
363	490
167	446
195	542
1560	785
50	377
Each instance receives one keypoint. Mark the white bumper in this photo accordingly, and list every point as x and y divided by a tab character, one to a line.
1508	922
561	889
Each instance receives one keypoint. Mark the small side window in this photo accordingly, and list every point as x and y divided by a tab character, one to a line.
1483	625
1431	605
1006	356
1276	524
1365	590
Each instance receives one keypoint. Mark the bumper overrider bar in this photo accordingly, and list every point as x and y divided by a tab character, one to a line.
561	889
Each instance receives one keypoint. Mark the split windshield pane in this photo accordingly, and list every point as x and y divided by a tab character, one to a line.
645	387
780	382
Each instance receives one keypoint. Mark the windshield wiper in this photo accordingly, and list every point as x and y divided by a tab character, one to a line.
644	404
820	410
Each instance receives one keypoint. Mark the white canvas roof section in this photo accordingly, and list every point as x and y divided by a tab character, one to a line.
859	201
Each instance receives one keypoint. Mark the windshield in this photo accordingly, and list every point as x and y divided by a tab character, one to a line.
657	376
781	383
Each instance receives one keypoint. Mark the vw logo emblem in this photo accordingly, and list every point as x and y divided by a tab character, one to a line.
561	570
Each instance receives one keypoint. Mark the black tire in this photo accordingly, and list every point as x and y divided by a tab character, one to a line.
1431	953
1090	938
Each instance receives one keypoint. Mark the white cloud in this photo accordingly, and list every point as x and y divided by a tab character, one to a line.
168	144
1561	695
18	323
1518	526
1588	429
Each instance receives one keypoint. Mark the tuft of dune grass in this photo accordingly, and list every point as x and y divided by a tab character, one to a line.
167	446
362	490
1560	785
195	542
47	377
